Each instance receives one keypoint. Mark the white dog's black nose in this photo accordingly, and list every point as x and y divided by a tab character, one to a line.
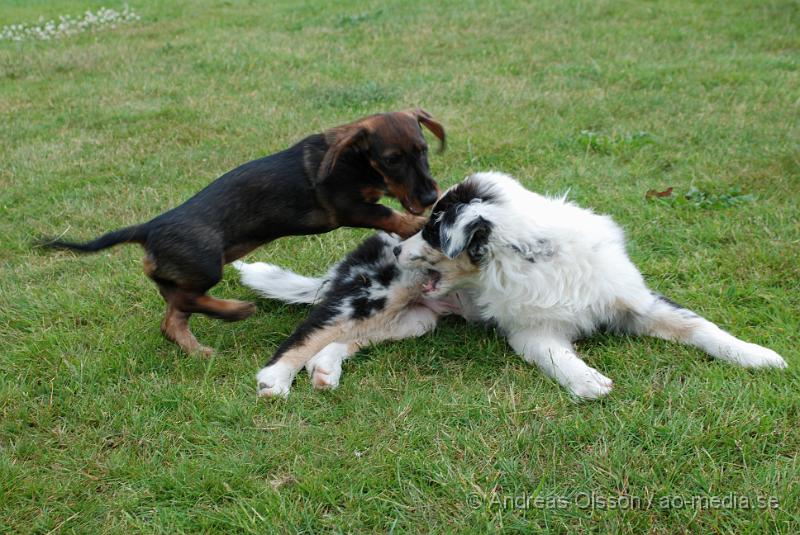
397	250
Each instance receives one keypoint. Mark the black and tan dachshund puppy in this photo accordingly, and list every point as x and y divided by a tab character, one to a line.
325	181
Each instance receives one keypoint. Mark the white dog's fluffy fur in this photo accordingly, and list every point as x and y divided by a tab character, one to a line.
548	273
544	270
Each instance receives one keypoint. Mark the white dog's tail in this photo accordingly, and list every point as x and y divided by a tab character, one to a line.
670	321
278	283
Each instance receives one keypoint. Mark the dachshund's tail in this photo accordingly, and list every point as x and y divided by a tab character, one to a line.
133	234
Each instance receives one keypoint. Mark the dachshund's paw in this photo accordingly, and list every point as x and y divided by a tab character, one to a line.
406	225
203	351
237	310
275	380
415	224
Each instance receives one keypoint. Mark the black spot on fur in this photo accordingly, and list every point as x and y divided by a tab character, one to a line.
668	301
522	253
387	274
364	307
430	233
685	312
371	251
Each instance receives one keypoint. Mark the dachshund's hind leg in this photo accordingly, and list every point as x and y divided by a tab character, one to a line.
175	328
224	309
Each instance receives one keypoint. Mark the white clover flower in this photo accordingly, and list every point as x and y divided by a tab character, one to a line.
68	25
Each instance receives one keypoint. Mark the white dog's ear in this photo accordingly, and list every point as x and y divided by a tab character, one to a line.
469	230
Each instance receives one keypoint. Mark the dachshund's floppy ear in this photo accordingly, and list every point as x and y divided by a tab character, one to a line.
353	136
426	119
465	229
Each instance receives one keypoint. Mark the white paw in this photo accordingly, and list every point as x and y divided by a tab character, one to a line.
590	384
275	381
325	368
324	379
755	356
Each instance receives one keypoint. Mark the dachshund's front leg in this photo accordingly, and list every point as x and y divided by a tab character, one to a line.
382	217
404	225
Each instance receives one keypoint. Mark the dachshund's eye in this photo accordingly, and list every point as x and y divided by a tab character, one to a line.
423	151
393	160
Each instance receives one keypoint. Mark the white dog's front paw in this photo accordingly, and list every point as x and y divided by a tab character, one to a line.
756	356
590	384
275	380
325	368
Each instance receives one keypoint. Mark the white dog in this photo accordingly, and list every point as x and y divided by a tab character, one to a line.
548	272
544	270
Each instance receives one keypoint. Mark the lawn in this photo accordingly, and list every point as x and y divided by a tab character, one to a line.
106	427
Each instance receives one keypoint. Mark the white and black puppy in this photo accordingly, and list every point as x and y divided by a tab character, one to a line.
548	272
365	298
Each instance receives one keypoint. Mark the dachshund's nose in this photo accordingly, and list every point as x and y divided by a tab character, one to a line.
397	250
428	198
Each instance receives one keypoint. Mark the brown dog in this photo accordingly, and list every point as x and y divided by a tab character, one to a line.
325	181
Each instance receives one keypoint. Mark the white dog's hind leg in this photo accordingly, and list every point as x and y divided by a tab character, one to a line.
557	359
669	321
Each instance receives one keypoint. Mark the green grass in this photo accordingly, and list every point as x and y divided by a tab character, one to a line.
105	427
